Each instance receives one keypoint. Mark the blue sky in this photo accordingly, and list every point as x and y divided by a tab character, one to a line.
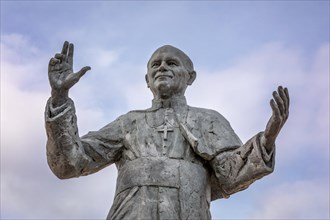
242	50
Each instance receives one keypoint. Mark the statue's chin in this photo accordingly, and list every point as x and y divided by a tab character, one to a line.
164	90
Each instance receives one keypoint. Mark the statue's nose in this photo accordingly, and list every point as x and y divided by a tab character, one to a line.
162	67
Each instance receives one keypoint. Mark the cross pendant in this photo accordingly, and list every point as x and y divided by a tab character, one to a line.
165	129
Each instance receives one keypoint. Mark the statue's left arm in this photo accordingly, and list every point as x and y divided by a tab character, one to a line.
236	169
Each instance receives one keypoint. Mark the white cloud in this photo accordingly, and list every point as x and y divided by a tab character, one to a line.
307	199
242	94
101	58
28	189
244	101
21	61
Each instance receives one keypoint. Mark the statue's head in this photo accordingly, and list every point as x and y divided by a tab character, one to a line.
170	71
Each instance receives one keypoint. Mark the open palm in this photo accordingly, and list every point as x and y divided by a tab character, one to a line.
60	71
280	108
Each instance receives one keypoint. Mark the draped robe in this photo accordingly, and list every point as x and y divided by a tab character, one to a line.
172	159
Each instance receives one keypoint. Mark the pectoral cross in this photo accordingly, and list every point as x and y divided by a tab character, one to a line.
165	128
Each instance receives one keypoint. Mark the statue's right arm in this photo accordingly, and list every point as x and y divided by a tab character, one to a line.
68	155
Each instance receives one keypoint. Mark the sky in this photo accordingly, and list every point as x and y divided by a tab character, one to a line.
241	50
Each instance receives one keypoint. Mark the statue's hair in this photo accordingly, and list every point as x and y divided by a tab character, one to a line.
184	57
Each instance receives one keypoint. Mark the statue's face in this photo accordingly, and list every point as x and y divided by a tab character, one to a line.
167	75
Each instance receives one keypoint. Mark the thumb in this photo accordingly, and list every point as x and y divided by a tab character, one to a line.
75	77
83	71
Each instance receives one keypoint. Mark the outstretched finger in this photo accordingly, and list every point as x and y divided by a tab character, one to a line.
279	102
65	50
70	54
276	111
284	98
83	71
286	91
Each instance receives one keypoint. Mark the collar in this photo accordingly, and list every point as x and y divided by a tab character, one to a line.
176	103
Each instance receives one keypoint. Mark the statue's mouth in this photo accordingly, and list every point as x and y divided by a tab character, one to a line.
163	76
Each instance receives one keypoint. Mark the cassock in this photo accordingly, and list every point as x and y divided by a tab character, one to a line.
172	159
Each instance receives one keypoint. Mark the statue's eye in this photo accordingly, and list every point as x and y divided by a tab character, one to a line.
172	63
155	64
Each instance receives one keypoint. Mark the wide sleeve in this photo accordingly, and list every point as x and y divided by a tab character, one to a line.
68	155
209	133
236	169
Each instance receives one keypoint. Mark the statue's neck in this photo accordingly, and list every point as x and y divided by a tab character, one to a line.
174	102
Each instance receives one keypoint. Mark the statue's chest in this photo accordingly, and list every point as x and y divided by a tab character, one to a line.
157	134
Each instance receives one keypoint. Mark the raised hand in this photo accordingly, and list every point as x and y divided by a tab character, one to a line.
61	75
280	107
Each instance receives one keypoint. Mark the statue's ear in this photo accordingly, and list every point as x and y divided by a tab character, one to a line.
147	80
192	77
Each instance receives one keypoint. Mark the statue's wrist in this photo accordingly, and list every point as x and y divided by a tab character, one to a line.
59	97
267	143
